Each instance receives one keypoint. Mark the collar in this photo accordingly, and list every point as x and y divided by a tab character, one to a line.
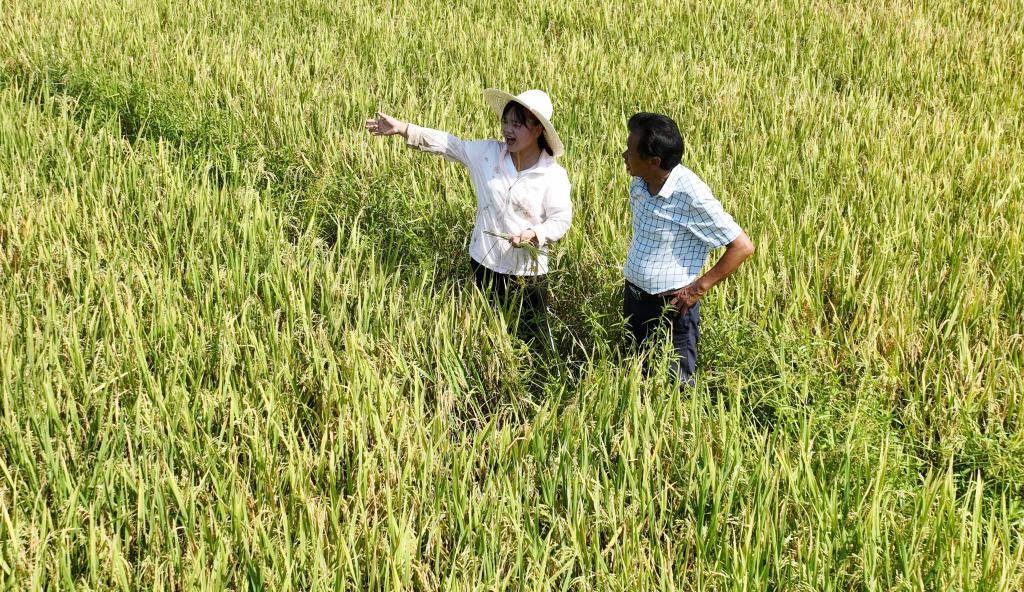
669	187
545	162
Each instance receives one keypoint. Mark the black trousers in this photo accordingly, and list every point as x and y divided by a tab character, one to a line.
646	314
527	292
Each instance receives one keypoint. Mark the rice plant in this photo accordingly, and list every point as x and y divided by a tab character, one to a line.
239	347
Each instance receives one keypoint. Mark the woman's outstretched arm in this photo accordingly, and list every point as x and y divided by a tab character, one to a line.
421	138
385	125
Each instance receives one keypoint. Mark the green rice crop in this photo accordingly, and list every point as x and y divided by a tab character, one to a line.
239	348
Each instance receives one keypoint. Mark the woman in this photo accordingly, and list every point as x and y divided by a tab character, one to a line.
522	193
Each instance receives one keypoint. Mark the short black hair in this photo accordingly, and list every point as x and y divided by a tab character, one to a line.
520	114
657	135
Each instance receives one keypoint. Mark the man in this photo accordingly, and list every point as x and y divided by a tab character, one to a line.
676	221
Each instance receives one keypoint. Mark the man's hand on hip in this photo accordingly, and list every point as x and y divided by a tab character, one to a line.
735	253
685	297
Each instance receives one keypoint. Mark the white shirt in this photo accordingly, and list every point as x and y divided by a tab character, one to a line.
507	200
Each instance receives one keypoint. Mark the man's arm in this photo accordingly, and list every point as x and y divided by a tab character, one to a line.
736	253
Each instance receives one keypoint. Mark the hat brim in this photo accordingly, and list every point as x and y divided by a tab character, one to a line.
498	99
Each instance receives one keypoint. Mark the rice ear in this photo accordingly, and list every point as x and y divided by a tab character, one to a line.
533	250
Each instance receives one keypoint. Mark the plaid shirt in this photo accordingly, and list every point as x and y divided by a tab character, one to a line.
673	231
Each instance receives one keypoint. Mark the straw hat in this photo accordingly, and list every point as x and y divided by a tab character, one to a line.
536	102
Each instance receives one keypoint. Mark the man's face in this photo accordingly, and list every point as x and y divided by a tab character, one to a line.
636	165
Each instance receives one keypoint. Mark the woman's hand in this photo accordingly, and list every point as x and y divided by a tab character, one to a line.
385	125
527	236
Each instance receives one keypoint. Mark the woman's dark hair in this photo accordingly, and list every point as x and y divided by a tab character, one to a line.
522	115
657	135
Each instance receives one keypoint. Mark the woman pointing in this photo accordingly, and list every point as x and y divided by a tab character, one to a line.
522	193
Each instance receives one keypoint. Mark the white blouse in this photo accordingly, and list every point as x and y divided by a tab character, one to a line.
507	201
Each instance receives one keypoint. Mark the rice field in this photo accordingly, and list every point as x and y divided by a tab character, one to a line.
239	348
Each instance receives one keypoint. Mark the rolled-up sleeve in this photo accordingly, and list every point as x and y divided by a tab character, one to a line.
709	221
557	212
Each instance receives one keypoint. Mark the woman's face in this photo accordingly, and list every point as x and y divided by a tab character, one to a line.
520	134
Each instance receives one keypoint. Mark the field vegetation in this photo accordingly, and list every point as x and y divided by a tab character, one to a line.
239	349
